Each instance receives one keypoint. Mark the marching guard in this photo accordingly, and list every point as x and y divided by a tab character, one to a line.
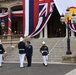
22	52
1	53
45	52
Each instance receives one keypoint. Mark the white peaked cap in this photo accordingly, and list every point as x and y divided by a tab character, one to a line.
43	42
21	38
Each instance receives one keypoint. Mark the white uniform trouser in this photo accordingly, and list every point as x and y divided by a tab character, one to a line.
1	59
45	59
21	56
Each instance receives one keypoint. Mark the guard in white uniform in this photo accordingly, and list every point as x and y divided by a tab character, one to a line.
45	52
22	51
1	53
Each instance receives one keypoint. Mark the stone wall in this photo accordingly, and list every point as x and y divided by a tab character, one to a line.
69	59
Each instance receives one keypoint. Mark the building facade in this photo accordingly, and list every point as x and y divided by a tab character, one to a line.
54	28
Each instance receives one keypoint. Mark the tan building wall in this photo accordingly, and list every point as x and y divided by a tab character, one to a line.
10	3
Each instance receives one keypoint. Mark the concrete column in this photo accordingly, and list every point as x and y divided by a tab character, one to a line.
45	32
72	34
41	34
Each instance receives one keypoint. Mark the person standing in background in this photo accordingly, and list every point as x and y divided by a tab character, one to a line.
1	53
29	53
22	51
58	32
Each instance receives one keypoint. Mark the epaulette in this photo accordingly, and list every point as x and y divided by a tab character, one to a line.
40	46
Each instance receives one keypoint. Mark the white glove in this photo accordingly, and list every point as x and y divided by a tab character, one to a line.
5	52
42	51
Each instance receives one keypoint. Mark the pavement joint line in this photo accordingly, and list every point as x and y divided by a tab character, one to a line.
41	62
72	72
54	46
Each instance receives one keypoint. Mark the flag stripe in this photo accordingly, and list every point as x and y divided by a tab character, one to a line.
31	16
23	16
36	13
26	16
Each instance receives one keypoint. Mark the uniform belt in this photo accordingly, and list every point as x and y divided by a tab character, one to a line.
44	51
21	49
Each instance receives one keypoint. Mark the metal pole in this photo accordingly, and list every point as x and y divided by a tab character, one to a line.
68	41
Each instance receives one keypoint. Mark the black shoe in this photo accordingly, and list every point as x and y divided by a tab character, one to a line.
43	64
28	66
2	63
0	66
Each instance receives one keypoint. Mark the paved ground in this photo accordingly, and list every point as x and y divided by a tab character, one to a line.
37	69
11	63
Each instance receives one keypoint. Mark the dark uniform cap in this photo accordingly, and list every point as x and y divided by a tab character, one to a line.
28	41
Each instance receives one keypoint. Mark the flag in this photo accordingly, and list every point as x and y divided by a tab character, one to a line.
72	25
36	14
45	11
